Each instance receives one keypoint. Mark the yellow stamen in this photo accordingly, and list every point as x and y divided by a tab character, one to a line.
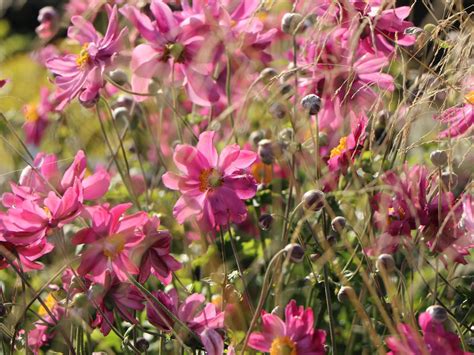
31	113
340	148
470	97
114	245
49	302
209	178
83	57
283	346
48	211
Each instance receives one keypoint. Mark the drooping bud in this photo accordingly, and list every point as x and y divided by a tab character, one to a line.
265	151
49	22
338	224
278	110
119	76
449	179
296	252
439	158
345	293
437	313
290	22
256	136
311	103
267	74
265	221
313	200
385	262
142	344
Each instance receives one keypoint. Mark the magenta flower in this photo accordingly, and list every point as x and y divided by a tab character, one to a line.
153	253
212	186
349	146
344	80
435	339
109	242
37	118
295	335
460	120
82	75
171	45
202	318
27	254
113	295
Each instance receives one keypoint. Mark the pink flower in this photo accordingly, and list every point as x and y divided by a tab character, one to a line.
295	335
113	295
37	118
460	120
171	45
344	80
212	186
203	318
435	339
153	252
109	242
83	74
349	146
27	254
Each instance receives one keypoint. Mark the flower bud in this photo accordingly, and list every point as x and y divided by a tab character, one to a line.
449	179
439	158
314	257
142	344
311	103
323	139
119	76
47	13
278	110
345	293
3	310
120	113
286	89
290	22
438	314
313	200
338	224
332	238
80	300
385	262
268	74
296	252
90	103
257	136
265	221
286	134
265	151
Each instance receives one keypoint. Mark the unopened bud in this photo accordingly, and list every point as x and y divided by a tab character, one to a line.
265	151
257	136
385	262
119	76
345	293
437	313
80	300
120	113
296	252
47	13
439	158
311	103
286	134
449	179
142	344
313	200
265	221
338	224
290	22
278	110
268	74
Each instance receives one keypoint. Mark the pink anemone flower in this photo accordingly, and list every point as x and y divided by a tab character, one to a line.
109	242
153	252
460	120
202	318
213	186
83	74
37	118
295	335
435	339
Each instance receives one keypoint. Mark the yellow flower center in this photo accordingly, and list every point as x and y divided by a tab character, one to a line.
48	211
31	113
114	245
395	215
470	97
283	346
339	149
209	178
49	302
83	58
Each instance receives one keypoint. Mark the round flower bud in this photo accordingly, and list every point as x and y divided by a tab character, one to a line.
439	158
286	89
3	310
323	139
119	76
290	22
142	344
338	224
265	151
278	110
257	136
314	257
437	313
385	262
265	221
449	179
311	103
296	252
313	200
332	238
268	74
80	300
345	293
47	13
120	113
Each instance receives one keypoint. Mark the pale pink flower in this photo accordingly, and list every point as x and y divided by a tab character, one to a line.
37	118
213	186
460	120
